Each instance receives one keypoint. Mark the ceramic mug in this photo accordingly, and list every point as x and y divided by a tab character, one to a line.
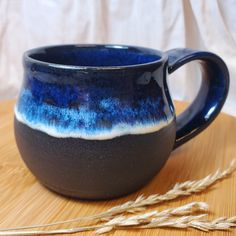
98	122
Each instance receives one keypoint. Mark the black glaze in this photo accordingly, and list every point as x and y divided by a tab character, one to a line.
93	169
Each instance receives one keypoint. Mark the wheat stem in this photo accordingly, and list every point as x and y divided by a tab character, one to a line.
119	221
182	222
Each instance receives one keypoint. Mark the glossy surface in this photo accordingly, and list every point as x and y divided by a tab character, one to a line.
97	121
95	55
94	103
211	96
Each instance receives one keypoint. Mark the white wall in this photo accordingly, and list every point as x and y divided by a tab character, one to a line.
160	24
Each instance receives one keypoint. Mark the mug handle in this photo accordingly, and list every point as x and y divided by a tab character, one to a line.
211	96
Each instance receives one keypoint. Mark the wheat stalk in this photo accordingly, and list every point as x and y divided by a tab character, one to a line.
221	223
180	189
144	218
100	229
122	221
144	221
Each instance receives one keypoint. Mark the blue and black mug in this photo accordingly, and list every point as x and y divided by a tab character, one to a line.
98	122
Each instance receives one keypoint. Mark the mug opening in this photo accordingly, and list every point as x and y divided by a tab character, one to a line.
94	56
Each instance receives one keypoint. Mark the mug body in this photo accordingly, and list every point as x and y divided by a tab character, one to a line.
94	121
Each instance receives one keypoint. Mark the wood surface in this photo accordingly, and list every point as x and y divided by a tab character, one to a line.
24	201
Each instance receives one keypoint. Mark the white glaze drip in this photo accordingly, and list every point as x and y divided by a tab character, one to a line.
99	134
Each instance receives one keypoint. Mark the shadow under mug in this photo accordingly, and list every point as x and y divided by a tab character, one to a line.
98	122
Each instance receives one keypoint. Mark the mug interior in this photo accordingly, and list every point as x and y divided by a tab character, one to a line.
94	55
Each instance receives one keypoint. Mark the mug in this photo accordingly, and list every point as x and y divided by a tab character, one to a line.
98	121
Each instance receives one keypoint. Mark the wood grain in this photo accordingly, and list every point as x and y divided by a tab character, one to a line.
24	201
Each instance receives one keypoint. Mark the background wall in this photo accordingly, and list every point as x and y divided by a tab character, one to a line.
160	24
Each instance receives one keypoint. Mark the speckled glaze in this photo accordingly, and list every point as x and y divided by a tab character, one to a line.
97	121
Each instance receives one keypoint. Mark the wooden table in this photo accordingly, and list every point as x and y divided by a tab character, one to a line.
24	201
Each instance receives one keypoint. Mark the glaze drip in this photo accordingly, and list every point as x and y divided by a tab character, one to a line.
110	118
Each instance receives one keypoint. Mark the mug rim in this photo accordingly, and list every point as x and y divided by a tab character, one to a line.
27	57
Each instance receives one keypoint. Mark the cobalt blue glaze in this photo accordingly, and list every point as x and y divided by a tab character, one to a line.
97	121
211	96
86	101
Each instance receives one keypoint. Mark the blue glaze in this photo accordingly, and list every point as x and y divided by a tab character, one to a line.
211	96
97	90
82	90
95	56
101	117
